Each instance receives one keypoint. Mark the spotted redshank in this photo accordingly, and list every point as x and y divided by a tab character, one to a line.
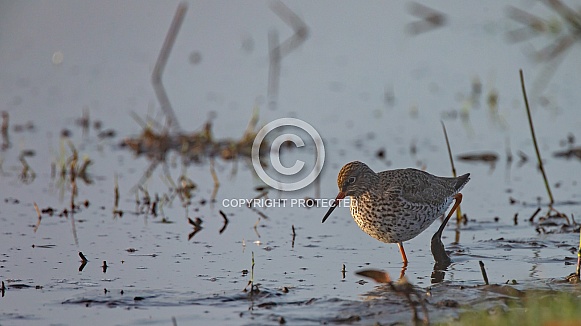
394	206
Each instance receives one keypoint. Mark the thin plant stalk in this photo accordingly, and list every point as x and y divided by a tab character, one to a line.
458	211
524	92
578	271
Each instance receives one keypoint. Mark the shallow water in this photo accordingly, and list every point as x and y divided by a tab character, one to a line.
365	86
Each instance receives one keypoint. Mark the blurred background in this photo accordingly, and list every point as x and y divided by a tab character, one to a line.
375	79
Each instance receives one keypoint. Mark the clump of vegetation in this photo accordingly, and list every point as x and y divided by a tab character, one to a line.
535	308
192	147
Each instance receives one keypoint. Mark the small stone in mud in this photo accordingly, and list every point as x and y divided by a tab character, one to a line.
109	133
380	153
267	305
448	303
11	200
350	319
195	58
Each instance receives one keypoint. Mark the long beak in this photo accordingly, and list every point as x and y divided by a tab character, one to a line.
340	196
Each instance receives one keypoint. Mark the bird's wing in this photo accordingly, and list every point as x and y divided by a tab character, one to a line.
422	188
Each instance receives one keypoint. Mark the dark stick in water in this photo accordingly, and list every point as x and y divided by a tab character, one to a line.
484	276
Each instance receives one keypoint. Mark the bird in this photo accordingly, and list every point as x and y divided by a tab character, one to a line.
394	206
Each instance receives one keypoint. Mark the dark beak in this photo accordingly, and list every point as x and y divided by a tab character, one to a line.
340	196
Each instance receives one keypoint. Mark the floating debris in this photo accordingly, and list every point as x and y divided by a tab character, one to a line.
4	131
430	19
574	152
486	157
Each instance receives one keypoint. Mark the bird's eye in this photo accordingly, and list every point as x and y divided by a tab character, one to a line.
351	180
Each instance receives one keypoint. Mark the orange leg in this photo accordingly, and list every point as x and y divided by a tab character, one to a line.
402	272
404	258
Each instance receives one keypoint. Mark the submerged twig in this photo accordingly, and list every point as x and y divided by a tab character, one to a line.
74	228
215	179
252	208
157	73
225	221
197	224
534	214
256	227
522	81
116	197
4	131
484	276
83	258
27	175
84	261
39	217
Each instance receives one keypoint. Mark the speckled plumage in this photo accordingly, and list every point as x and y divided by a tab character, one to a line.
395	205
